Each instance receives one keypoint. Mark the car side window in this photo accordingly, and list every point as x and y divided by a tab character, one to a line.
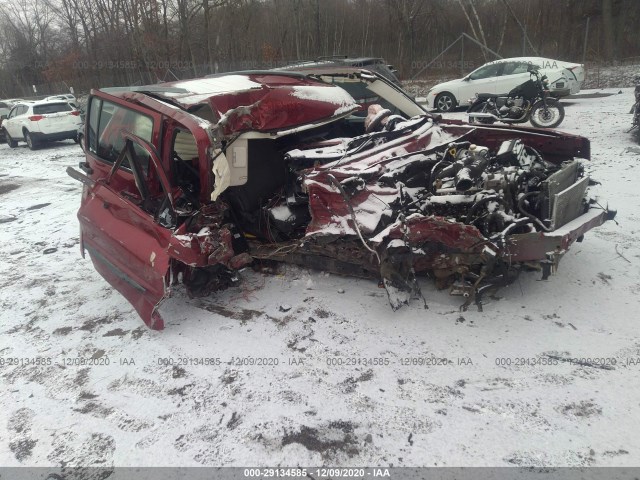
107	121
486	72
508	68
94	115
514	68
185	162
13	112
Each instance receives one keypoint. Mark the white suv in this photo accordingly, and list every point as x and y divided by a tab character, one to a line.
41	121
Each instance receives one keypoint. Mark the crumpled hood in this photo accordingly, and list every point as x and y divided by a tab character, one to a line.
280	107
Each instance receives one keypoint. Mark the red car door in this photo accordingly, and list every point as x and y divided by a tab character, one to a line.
120	222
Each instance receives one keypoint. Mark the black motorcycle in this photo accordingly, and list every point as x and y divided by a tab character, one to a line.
528	101
636	106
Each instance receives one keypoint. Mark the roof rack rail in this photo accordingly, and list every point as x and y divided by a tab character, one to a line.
325	57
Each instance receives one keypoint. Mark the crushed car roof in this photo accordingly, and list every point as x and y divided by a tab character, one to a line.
258	101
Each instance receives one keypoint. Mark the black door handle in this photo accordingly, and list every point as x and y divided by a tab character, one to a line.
84	166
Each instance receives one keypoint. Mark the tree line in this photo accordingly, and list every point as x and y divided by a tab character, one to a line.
56	44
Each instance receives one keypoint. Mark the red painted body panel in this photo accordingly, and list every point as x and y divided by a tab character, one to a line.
455	236
206	241
196	126
127	248
272	109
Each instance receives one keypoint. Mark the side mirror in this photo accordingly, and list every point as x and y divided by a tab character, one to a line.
3	117
467	78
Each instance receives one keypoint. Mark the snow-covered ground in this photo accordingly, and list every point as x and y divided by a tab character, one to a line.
347	381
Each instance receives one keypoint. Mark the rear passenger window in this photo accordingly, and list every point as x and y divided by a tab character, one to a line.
486	71
107	121
513	68
52	108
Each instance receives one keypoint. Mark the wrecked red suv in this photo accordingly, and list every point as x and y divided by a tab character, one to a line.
192	181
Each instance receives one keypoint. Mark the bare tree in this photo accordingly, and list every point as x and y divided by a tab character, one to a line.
73	40
607	27
408	14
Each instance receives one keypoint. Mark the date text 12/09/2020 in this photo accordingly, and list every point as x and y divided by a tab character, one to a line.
318	473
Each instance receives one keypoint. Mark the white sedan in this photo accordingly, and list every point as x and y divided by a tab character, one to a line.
501	76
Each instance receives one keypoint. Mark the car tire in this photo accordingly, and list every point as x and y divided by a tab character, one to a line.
31	142
445	102
10	141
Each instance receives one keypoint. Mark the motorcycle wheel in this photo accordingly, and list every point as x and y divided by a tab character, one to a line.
481	108
547	117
